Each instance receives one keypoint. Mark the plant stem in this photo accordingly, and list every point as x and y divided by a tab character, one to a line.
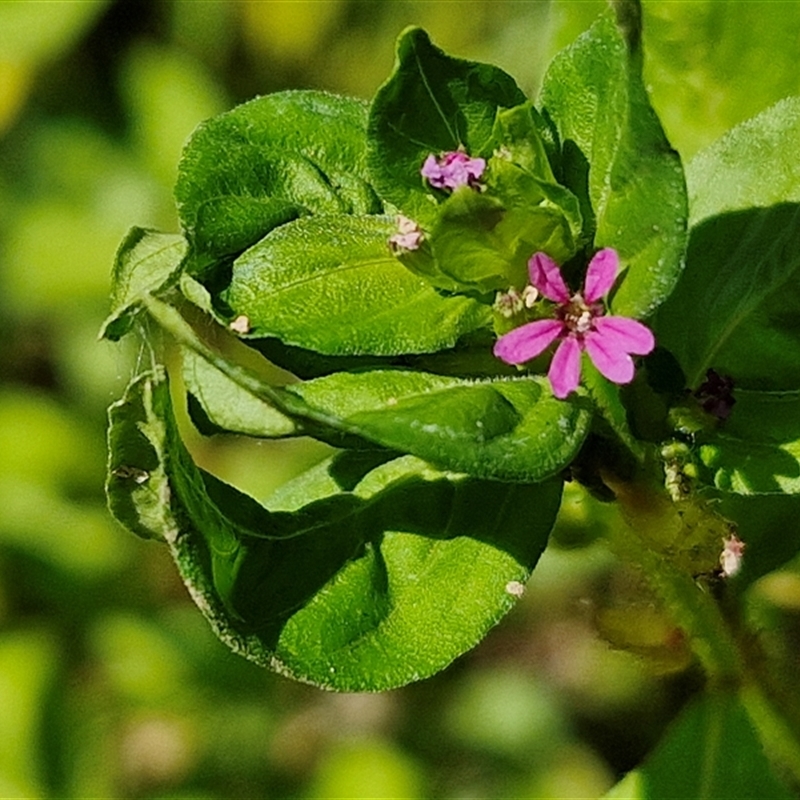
646	511
778	738
690	602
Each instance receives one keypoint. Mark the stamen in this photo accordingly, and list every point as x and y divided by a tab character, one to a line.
577	315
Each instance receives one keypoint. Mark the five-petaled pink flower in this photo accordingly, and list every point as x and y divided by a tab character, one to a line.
580	324
452	170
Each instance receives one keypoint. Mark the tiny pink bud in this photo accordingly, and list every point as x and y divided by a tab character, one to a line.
408	236
730	558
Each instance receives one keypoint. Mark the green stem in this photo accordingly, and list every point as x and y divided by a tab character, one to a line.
697	613
778	738
693	607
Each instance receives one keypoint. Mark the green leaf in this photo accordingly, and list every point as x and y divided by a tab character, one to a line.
432	103
737	307
616	158
608	399
146	261
328	583
137	482
742	263
522	176
768	526
711	753
268	161
484	244
520	133
752	468
557	230
330	284
510	430
453	554
226	406
466	244
229	225
757	450
729	175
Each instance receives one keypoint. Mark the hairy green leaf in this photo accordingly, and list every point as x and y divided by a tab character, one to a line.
483	244
330	284
616	158
737	307
510	430
137	483
329	581
756	450
145	262
226	406
742	264
729	175
267	161
432	103
507	429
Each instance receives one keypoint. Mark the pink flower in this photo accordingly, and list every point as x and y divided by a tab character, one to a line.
452	170
580	324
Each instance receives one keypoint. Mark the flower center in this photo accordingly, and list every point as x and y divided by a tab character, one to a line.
578	315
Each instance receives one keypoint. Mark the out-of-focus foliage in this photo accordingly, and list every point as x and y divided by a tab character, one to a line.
110	683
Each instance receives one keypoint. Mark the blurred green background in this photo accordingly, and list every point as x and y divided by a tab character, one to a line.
111	685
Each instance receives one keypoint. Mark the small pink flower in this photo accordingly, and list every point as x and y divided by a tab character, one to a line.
408	236
580	324
452	170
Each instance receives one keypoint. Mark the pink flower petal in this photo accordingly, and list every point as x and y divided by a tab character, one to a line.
625	334
601	274
546	277
607	355
476	168
460	168
452	169
565	368
431	171
526	342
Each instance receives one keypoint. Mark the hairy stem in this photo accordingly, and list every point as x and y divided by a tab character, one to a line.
650	518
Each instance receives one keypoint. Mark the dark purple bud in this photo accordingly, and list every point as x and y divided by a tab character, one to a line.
715	394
